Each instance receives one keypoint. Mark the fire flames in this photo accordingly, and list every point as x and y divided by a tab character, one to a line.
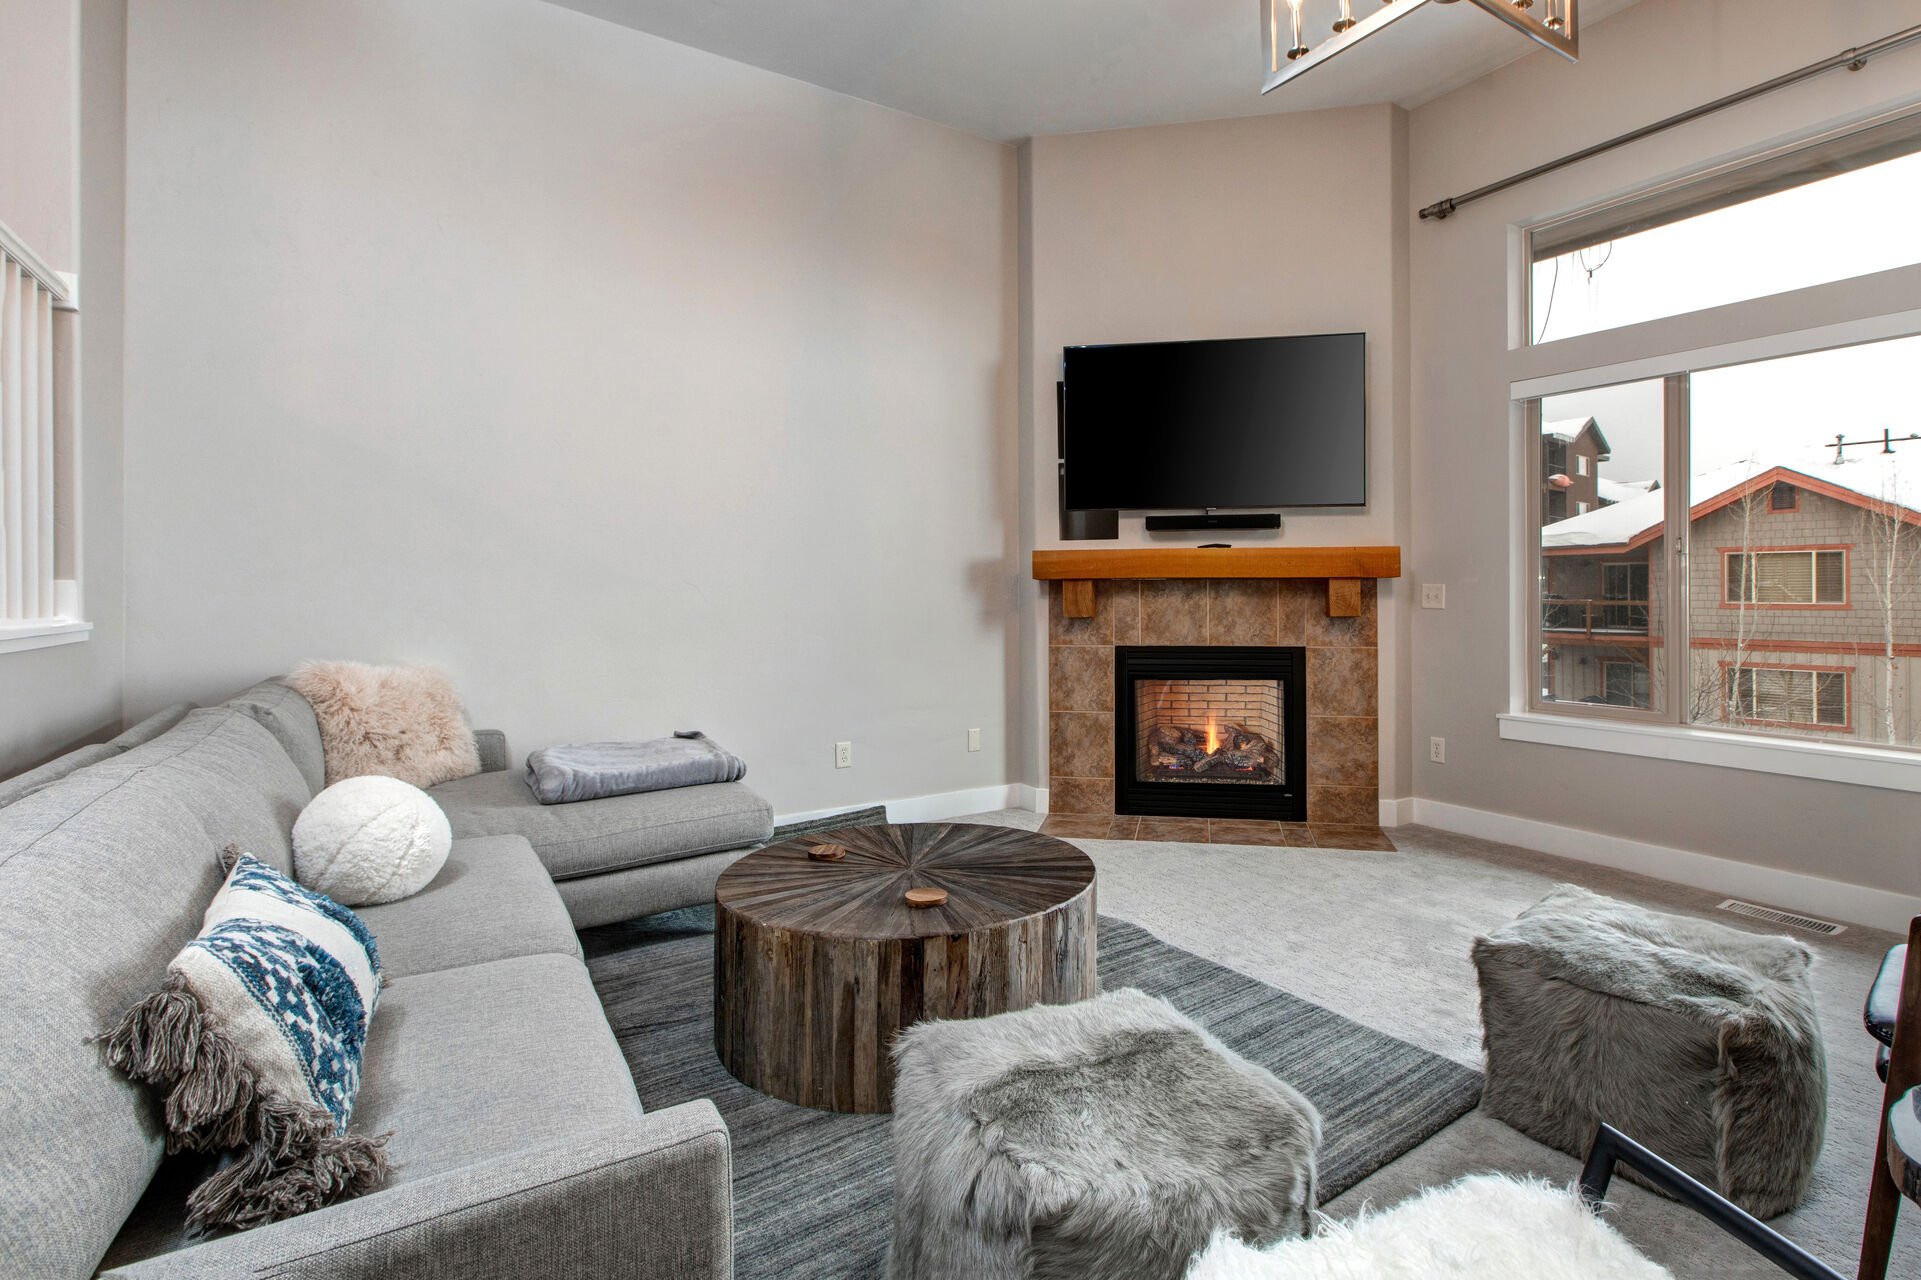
1213	736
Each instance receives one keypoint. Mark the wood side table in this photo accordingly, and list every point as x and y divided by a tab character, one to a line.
819	962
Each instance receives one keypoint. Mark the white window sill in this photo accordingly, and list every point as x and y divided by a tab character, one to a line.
20	637
1854	763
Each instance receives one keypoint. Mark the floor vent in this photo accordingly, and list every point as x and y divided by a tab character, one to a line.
1772	916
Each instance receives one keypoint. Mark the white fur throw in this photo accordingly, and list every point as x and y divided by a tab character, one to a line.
1480	1228
404	722
370	839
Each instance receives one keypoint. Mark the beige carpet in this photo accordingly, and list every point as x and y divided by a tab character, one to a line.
1382	938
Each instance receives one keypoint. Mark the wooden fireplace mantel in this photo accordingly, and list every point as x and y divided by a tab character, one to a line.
1078	568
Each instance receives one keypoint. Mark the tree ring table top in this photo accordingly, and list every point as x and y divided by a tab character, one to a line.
992	875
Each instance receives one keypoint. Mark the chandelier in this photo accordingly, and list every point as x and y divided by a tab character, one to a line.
1286	34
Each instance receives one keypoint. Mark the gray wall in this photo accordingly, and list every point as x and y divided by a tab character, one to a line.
1655	58
51	699
638	388
1233	228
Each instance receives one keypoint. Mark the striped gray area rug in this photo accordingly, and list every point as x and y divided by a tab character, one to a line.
812	1189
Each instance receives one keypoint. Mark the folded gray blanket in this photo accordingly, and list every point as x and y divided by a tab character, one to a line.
594	770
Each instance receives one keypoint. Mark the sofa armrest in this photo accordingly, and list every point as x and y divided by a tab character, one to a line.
492	744
650	1200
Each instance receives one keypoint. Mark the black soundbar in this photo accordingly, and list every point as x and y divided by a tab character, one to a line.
1168	524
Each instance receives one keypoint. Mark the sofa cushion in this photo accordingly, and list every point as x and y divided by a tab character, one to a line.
25	784
463	1065
152	727
491	901
102	879
290	719
594	836
228	769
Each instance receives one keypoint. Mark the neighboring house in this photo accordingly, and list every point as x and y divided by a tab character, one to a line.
1804	607
1572	451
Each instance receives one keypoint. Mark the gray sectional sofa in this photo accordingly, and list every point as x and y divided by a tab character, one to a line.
519	1146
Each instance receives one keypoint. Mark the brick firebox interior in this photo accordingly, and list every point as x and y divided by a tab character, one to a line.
1343	741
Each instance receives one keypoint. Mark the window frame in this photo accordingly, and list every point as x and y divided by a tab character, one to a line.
1875	307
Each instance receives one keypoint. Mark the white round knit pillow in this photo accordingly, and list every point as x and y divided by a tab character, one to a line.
370	839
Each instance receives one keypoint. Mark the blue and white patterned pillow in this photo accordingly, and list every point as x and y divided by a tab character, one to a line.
258	1037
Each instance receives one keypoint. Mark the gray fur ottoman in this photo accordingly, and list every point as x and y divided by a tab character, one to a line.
1106	1138
1696	1039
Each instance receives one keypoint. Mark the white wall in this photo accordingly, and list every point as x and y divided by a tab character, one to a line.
1654	59
61	129
638	388
1235	228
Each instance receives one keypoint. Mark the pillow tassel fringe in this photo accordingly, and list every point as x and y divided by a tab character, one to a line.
167	1040
296	1163
294	1159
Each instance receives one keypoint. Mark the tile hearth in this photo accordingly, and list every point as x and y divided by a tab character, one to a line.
1291	835
1343	743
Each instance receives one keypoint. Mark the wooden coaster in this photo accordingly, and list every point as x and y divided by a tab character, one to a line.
926	897
827	852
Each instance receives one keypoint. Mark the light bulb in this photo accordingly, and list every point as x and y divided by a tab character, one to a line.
1299	48
1346	19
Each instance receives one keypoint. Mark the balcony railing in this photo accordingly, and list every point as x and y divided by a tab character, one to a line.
1595	617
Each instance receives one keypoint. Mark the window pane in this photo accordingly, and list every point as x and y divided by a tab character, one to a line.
1806	615
1732	253
1601	559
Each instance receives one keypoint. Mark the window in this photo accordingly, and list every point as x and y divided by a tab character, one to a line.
1626	684
1713	240
39	596
1745	560
1788	696
1786	577
1580	464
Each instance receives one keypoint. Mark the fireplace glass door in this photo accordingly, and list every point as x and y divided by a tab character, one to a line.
1210	731
1229	731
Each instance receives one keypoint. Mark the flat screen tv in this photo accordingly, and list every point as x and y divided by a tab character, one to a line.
1242	422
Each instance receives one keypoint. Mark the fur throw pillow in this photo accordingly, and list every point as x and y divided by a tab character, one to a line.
404	722
256	1041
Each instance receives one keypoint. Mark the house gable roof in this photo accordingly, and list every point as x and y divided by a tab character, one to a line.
1864	480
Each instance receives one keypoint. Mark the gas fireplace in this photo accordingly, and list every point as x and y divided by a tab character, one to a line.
1212	731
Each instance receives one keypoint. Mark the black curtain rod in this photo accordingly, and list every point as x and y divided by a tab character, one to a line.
1853	59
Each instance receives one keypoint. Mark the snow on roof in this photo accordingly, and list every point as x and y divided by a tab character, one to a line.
1569	429
1877	476
1622	490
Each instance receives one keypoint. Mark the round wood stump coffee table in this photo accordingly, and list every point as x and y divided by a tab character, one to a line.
819	961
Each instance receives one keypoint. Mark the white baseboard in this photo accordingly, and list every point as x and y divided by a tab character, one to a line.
1397	813
936	808
1034	798
1770	886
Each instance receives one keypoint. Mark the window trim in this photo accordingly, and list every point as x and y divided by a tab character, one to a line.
1794	491
1816	605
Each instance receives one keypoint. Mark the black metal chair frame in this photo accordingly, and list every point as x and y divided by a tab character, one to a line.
1612	1148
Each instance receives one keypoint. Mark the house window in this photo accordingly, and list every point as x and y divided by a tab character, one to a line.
1687	246
1580	464
1786	577
1788	696
1580	508
1625	684
1783	497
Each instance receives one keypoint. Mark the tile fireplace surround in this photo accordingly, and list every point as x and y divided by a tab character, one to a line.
1343	681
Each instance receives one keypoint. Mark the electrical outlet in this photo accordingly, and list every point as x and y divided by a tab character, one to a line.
843	755
973	739
1434	595
1437	750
